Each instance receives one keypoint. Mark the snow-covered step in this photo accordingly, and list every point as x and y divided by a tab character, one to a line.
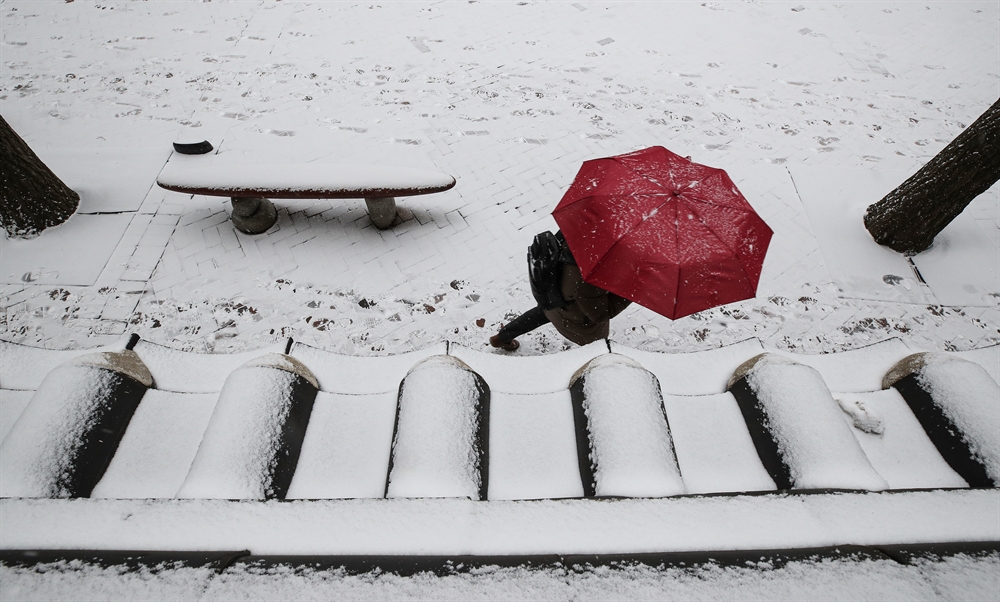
528	375
798	428
895	443
354	375
533	453
854	370
157	450
958	406
693	373
254	437
66	436
345	453
713	446
533	441
23	368
530	450
450	527
442	432
189	372
623	438
346	450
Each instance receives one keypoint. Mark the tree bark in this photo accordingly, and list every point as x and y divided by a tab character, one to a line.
908	218
33	197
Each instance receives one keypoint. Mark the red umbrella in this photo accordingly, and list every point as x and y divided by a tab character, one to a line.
671	235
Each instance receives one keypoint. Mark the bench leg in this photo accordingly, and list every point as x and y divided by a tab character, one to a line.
382	211
253	215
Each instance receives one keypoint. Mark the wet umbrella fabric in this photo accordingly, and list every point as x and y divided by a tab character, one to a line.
672	235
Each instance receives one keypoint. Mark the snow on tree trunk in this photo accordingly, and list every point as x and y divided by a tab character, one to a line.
33	197
908	218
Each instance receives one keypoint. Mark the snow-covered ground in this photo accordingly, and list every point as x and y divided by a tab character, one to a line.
958	578
809	106
962	577
815	109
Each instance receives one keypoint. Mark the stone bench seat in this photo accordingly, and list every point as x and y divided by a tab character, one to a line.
250	186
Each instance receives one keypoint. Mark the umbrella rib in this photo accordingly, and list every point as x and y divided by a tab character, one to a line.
631	230
606	253
718	238
677	281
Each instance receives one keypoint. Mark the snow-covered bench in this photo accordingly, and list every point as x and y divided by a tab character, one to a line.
250	186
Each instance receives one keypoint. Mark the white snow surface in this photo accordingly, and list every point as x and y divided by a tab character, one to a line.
987	357
55	260
12	403
511	119
108	180
237	452
854	370
874	88
357	375
461	526
24	367
713	446
187	372
43	443
902	453
529	375
960	577
961	266
434	453
694	373
808	426
345	453
533	452
971	400
863	417
630	446
960	269
313	177
158	447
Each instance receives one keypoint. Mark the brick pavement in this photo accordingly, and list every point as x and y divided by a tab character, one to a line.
511	111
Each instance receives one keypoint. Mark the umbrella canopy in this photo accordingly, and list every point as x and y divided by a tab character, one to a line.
672	235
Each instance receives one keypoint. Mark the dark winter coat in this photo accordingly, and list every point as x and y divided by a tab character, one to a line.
589	308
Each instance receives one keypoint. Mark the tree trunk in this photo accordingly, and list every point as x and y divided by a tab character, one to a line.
33	197
909	217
